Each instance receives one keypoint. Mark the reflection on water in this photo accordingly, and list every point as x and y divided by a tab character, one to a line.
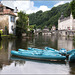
65	42
39	61
24	66
72	68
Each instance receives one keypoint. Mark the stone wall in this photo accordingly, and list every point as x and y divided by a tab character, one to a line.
73	24
4	21
66	32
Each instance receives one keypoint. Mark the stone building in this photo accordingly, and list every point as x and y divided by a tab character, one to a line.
66	25
46	31
53	27
7	19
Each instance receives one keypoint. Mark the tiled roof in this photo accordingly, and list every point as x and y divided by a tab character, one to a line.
7	13
7	10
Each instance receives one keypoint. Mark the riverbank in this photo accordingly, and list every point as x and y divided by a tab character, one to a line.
8	36
13	37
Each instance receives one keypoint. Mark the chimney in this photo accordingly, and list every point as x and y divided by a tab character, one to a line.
16	10
1	4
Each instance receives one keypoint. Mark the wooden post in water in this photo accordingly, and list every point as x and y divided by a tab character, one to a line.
0	37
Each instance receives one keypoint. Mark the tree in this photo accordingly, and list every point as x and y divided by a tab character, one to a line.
73	8
6	30
49	17
22	23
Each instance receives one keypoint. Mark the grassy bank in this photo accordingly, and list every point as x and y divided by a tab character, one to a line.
8	36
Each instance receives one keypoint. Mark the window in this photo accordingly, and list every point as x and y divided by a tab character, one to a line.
1	9
66	33
68	28
72	33
12	19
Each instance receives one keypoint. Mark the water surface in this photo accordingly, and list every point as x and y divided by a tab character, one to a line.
13	65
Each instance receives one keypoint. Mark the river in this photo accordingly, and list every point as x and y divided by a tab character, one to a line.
14	65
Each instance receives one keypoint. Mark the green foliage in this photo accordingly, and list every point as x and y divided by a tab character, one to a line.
73	38
0	45
6	30
31	27
49	18
21	23
5	35
1	32
73	8
18	31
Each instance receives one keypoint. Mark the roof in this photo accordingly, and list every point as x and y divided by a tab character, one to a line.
7	13
46	27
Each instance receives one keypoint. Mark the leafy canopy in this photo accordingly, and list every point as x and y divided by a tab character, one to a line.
22	21
49	18
73	8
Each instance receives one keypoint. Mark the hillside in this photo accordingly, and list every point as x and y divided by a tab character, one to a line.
49	18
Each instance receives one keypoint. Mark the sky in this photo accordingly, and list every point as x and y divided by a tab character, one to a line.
32	6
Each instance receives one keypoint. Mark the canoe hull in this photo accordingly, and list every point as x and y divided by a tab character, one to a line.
70	52
39	50
35	56
72	57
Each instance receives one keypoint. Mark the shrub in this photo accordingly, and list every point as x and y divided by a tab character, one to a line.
1	32
6	30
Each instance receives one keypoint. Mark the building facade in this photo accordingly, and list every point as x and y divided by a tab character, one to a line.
7	19
66	23
66	26
53	27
